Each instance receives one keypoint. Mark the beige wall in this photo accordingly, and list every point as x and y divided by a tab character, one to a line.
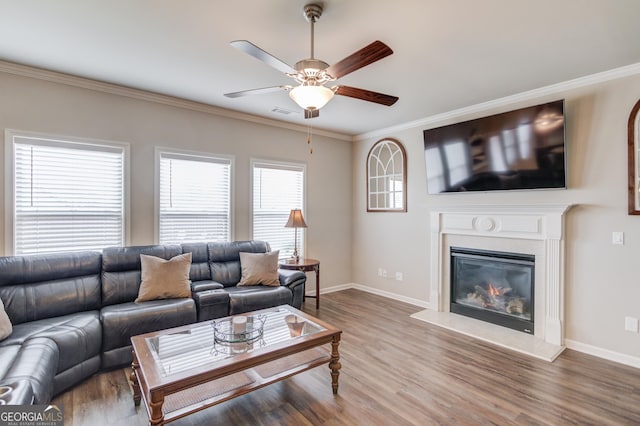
49	107
602	280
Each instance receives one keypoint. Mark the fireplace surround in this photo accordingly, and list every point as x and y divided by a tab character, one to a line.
525	229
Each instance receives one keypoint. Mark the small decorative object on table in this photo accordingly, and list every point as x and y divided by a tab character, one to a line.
295	324
238	332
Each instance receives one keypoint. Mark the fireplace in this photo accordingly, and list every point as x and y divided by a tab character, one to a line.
492	286
534	229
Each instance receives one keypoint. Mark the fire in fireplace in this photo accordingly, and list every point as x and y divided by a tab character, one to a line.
493	286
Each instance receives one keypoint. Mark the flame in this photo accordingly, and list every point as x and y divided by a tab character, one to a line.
494	291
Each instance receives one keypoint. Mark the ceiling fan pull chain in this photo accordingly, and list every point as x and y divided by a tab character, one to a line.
309	139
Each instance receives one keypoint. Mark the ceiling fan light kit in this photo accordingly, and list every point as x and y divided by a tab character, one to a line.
311	97
311	74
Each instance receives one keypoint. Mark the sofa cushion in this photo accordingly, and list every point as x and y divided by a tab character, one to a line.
224	259
5	323
121	270
164	279
77	336
120	322
34	361
259	268
45	286
199	261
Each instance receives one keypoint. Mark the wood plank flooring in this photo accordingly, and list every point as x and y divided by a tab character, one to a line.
400	371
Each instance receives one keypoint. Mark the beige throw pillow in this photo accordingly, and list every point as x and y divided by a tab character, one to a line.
5	323
164	279
259	268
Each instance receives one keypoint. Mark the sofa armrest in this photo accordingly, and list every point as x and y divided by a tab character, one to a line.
17	392
205	285
211	304
291	279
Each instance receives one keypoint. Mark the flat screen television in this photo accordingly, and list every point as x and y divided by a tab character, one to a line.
521	149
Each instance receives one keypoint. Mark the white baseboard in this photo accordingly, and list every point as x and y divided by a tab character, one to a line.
629	360
607	354
387	294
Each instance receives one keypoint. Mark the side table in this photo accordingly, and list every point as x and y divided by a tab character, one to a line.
305	265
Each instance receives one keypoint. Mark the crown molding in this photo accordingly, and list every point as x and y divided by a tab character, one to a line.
144	95
550	90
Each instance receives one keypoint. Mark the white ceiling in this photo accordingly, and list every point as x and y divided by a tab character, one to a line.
447	54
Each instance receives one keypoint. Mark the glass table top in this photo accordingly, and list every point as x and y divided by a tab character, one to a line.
217	340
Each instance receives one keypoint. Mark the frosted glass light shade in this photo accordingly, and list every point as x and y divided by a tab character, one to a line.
311	97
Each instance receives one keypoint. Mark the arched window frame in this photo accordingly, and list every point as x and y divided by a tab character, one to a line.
633	153
397	161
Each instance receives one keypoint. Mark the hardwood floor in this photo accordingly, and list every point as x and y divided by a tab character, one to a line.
400	371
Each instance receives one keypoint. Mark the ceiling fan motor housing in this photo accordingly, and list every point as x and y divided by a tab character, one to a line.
312	72
313	11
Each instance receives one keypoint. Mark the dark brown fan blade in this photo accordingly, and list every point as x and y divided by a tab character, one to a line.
363	57
253	50
311	113
257	91
366	95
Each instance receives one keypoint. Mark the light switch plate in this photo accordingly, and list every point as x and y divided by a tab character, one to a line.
631	324
617	238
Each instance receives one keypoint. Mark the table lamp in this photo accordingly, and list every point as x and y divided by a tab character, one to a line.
296	221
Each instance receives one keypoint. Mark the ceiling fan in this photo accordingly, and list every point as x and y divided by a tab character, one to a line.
312	74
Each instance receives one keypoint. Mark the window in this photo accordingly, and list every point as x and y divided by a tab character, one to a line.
65	195
277	189
386	177
194	197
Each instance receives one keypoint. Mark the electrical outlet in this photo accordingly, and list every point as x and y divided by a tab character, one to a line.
631	324
379	272
399	276
617	238
384	273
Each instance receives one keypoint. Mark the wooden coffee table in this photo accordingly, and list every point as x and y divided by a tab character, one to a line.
183	370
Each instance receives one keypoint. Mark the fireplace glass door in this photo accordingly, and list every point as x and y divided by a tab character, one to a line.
493	286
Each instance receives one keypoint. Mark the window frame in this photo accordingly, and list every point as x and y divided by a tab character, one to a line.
633	159
396	143
51	139
280	164
191	155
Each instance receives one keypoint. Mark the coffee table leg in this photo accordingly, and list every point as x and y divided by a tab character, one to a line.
155	406
135	385
334	364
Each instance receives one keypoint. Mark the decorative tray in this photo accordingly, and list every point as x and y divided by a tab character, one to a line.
238	329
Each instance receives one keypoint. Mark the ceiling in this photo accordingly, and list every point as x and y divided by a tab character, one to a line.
447	54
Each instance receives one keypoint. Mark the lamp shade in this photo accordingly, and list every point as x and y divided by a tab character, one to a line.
311	97
296	220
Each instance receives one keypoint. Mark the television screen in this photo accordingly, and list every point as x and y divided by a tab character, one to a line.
521	149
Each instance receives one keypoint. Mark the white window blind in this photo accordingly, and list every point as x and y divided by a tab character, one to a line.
195	198
277	189
67	195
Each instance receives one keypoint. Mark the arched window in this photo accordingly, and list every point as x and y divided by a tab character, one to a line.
387	177
634	155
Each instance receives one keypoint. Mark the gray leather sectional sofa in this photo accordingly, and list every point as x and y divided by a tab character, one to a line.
73	314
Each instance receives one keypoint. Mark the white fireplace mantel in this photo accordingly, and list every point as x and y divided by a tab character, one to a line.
540	226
